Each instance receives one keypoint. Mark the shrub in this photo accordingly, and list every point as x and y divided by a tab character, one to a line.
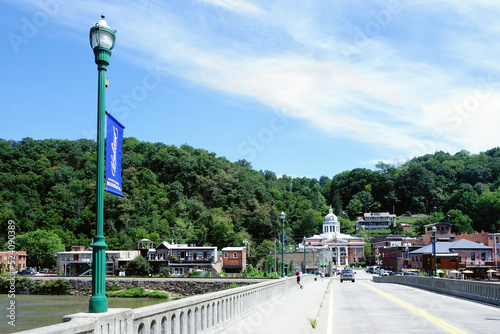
139	266
233	285
22	284
137	293
56	287
157	294
165	272
130	293
194	273
113	287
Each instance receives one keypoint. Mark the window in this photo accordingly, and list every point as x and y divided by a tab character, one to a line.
438	261
472	256
483	256
225	255
235	255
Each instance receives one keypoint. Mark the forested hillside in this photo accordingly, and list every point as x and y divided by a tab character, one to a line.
192	196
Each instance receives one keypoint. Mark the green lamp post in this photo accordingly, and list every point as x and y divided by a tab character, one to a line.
434	229
304	244
102	40
397	261
282	217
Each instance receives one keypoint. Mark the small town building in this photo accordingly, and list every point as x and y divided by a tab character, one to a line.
234	259
180	258
392	251
443	232
489	239
460	254
12	261
341	249
78	261
376	221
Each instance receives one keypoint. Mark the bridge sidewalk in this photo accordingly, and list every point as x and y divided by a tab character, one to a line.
290	313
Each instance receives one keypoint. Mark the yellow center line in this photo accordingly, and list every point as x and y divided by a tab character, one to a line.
423	314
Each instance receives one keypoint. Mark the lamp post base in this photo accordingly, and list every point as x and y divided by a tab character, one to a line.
98	304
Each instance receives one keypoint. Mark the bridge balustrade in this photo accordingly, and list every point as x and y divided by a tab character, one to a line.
208	313
488	292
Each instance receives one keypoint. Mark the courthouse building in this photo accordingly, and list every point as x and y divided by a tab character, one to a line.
341	249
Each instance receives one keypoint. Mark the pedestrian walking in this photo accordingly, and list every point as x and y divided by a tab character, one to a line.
297	273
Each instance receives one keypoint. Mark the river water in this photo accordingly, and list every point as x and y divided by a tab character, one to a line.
32	311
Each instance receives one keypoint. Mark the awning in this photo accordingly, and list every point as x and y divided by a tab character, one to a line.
232	267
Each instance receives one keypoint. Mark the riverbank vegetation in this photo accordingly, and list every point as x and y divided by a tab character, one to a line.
192	196
26	285
138	292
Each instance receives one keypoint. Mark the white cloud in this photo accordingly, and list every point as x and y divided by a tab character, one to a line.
393	88
234	5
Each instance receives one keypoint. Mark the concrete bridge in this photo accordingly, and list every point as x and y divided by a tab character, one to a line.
370	305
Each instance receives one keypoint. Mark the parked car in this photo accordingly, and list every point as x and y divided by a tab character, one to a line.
387	273
347	275
26	272
410	273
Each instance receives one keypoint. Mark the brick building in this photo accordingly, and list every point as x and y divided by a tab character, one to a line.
12	261
234	259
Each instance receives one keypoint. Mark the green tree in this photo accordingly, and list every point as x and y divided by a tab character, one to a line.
40	246
460	223
366	199
139	266
354	208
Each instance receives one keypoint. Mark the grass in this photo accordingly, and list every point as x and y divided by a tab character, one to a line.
137	293
312	322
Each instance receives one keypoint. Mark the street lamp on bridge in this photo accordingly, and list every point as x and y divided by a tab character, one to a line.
434	229
282	217
304	244
102	41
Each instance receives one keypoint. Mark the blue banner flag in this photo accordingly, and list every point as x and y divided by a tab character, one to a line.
114	140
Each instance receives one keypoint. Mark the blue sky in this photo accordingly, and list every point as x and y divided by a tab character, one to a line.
302	88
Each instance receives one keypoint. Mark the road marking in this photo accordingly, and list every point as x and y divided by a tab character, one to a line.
421	313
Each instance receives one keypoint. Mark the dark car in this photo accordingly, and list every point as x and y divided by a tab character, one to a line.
411	273
26	272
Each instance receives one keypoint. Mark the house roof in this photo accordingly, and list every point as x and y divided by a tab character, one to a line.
451	247
230	249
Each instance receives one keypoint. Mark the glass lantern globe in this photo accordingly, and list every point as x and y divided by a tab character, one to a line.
101	35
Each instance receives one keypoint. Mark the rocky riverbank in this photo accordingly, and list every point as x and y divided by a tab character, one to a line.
179	287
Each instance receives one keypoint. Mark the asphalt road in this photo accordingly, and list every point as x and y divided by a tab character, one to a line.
368	307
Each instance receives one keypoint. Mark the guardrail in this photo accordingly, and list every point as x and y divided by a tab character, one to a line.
208	313
487	292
